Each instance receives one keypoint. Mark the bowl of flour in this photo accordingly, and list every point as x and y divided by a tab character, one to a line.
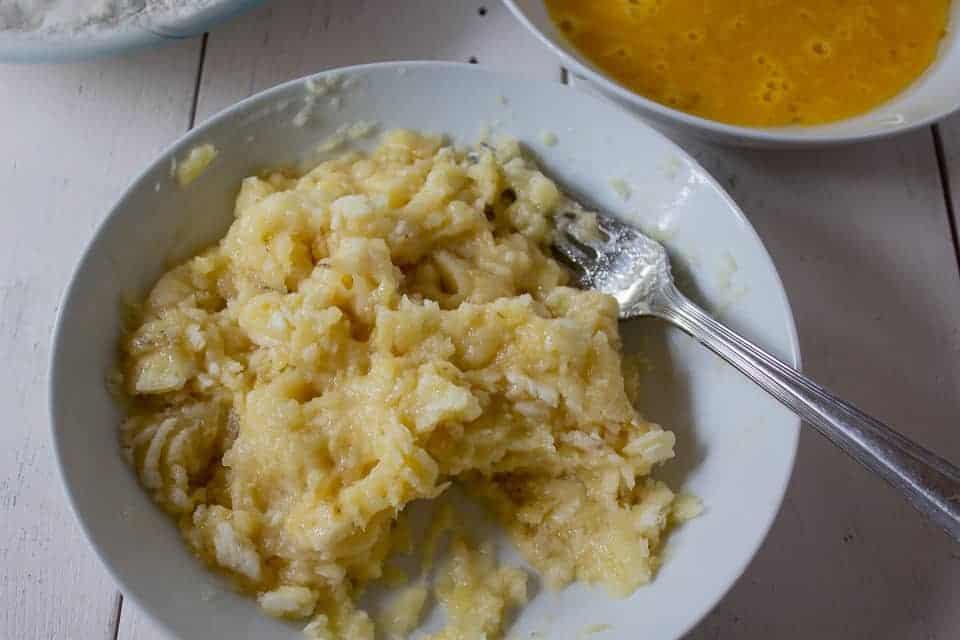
68	30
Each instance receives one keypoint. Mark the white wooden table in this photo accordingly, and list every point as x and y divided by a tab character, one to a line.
865	238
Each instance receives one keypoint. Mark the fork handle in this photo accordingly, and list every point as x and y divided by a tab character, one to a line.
930	483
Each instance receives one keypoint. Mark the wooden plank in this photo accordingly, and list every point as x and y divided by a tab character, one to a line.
290	38
861	238
948	133
73	136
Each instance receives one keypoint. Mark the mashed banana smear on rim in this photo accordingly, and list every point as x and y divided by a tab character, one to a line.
365	334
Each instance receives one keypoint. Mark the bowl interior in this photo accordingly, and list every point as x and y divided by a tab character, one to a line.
736	446
933	96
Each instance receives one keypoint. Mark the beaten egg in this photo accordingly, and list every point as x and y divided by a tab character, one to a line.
759	62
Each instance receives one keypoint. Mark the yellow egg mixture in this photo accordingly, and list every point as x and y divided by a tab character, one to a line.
759	62
366	333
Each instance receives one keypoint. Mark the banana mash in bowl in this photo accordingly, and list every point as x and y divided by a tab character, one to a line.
336	386
365	334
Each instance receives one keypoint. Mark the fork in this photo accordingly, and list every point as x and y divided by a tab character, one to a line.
618	259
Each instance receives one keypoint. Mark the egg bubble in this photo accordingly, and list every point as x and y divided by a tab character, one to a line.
820	48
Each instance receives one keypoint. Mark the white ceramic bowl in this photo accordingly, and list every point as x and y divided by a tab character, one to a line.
934	96
31	47
736	446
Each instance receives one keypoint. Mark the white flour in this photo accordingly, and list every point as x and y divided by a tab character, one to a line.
77	16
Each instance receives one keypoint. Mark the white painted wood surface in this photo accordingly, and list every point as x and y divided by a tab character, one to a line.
862	240
72	137
861	236
287	39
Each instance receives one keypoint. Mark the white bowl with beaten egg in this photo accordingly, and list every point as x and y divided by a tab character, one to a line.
931	97
735	446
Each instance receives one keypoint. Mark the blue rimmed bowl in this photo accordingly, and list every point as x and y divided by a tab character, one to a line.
40	47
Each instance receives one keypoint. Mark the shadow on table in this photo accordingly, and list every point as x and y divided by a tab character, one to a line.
847	557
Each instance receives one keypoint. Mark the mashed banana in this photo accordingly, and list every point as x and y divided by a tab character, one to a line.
364	335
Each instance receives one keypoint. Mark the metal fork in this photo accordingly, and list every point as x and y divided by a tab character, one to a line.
619	260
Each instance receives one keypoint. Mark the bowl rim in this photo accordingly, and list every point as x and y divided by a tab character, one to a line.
31	48
781	137
54	392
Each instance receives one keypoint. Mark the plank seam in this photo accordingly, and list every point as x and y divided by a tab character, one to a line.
116	618
947	192
196	86
195	100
